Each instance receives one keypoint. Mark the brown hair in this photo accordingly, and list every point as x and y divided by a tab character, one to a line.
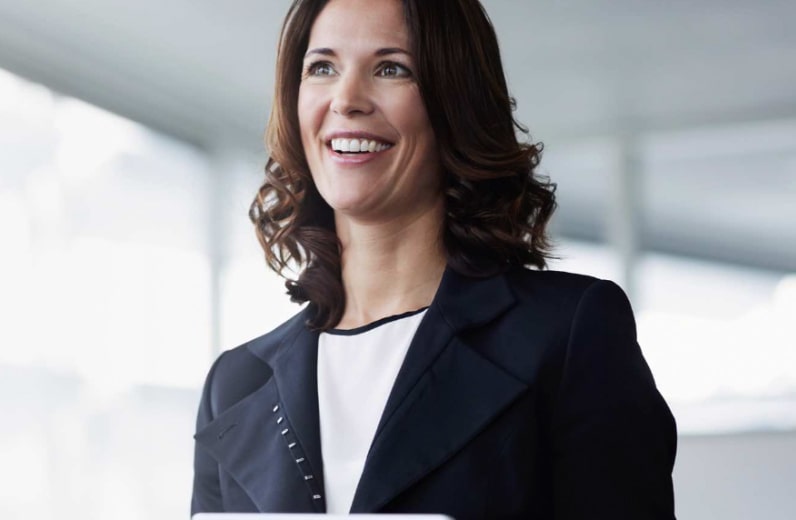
497	208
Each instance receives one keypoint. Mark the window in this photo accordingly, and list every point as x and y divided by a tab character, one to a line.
105	306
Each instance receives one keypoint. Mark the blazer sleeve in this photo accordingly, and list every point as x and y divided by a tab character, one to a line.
206	495
613	436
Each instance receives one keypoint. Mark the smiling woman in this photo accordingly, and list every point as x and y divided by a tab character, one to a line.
424	81
432	370
359	86
358	90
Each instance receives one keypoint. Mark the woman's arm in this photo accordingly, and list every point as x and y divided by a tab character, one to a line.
206	487
614	438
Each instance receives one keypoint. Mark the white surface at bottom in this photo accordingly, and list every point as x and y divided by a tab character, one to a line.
310	516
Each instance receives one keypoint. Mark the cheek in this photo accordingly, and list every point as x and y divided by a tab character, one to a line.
419	126
308	115
407	113
411	116
426	150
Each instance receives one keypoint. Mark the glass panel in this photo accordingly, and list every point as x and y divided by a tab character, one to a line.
105	309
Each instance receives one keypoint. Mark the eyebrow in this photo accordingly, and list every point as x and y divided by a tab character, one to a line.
325	51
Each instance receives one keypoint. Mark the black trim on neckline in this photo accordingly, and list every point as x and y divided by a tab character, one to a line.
374	324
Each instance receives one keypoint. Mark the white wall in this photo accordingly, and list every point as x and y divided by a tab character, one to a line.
736	477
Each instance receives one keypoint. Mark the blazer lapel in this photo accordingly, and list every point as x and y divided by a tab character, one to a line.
296	376
445	392
269	442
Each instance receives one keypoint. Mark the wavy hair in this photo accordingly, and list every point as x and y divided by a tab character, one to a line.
496	207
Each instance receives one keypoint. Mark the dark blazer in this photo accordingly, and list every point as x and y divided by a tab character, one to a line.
523	395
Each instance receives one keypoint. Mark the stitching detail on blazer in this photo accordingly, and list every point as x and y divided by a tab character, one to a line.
297	454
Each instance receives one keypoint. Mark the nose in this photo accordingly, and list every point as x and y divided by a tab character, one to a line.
351	96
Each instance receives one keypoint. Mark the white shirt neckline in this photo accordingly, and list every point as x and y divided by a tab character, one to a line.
357	369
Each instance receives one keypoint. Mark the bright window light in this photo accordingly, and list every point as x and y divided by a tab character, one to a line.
105	307
720	339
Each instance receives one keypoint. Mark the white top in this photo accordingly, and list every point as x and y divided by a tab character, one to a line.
356	372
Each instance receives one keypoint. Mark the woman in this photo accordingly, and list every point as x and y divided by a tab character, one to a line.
431	371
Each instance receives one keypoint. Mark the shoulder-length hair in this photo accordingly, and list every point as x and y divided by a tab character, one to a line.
496	206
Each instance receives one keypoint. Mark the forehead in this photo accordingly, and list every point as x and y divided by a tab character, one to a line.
360	23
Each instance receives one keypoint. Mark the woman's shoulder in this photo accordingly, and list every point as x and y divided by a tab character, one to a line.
556	302
560	280
557	288
266	346
239	371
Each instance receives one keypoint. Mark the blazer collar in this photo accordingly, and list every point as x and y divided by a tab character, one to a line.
468	302
269	441
295	372
429	417
296	376
460	303
402	451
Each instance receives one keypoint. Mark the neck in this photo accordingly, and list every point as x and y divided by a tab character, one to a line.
390	267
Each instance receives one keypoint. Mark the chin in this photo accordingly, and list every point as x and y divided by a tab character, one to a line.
348	196
348	204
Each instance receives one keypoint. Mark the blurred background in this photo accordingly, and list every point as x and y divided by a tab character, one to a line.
131	146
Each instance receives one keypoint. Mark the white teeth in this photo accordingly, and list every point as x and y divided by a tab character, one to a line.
358	145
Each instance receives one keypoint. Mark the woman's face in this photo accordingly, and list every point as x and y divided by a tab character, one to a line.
364	128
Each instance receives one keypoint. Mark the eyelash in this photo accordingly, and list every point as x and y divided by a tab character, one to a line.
401	70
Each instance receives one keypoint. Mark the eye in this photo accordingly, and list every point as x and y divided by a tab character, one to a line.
319	68
391	69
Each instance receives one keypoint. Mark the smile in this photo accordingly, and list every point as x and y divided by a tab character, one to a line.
346	145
